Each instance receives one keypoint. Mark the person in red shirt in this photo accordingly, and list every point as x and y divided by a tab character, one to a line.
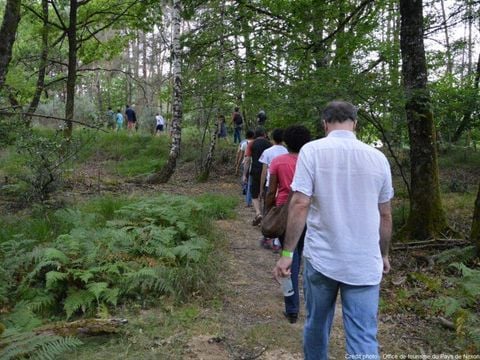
282	169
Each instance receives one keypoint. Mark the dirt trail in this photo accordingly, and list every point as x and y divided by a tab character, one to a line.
253	323
253	320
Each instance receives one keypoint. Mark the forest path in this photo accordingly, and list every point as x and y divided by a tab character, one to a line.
252	318
250	324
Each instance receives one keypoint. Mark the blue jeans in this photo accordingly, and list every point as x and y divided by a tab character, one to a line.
237	135
248	196
359	307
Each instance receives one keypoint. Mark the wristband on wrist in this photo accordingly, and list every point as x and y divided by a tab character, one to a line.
287	253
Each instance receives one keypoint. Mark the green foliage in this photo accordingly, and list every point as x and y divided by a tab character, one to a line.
8	131
43	156
32	346
460	302
113	251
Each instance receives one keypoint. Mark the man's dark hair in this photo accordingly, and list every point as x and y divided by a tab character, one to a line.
295	137
259	131
277	135
339	111
249	134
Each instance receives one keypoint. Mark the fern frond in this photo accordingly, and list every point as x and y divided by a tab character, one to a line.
39	347
97	288
52	254
84	275
111	296
78	300
21	318
190	250
53	278
55	347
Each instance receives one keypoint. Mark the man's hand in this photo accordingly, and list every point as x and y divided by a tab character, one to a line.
282	268
386	264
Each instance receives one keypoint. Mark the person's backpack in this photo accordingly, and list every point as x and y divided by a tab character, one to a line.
237	119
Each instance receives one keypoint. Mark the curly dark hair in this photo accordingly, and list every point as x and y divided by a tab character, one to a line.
295	137
277	135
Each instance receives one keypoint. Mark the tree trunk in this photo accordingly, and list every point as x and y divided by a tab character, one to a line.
11	18
166	173
207	166
475	234
43	61
426	218
72	70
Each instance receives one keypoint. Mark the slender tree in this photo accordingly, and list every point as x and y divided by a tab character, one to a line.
72	68
221	81
167	171
475	234
426	217
43	61
11	18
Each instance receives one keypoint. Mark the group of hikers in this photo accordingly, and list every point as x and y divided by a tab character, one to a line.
116	120
338	192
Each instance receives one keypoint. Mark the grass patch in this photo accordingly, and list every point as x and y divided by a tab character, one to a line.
163	332
127	154
459	157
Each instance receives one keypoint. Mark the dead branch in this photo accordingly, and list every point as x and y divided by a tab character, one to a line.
445	323
26	114
431	244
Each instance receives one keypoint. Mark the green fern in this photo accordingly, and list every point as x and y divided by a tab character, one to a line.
53	278
33	346
150	247
78	300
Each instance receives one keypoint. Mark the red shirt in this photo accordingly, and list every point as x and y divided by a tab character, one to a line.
283	167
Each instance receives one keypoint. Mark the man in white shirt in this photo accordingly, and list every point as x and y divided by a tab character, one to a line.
267	157
342	190
160	124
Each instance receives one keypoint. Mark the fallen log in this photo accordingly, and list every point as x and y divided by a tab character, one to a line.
90	327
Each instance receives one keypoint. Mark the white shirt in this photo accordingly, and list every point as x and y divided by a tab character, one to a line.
269	154
346	180
160	120
243	145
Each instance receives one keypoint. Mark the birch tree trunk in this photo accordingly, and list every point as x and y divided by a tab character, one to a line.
11	18
72	69
166	173
427	218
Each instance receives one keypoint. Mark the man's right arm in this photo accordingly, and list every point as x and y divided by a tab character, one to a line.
385	233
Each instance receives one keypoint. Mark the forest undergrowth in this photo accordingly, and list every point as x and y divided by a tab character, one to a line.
104	246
